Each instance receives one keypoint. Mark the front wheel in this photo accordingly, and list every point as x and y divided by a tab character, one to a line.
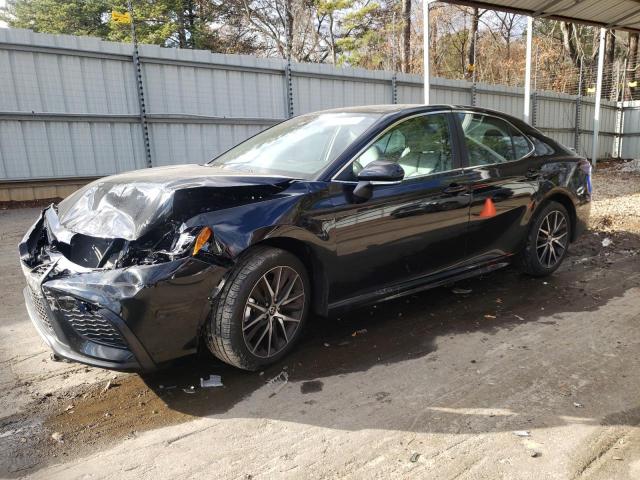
547	241
261	310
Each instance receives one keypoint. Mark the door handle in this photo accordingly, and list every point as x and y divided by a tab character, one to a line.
455	188
532	174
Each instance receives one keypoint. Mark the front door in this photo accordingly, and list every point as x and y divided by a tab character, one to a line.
408	229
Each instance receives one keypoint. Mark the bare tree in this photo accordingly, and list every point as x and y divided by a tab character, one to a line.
633	51
473	37
610	80
406	36
569	42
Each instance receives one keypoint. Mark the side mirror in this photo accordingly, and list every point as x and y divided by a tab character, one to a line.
382	171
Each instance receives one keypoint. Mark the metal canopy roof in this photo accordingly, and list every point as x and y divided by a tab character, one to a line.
616	14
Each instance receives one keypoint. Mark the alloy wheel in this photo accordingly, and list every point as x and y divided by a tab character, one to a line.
273	311
552	240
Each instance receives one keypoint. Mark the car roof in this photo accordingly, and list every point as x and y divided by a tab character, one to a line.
400	109
385	109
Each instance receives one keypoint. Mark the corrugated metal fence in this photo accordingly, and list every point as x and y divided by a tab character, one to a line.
630	141
69	105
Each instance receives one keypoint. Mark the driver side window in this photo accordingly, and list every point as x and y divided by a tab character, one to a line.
420	145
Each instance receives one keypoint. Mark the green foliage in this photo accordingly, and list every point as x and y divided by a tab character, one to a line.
77	17
368	27
183	23
353	32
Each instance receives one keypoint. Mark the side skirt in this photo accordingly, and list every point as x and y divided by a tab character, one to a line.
416	285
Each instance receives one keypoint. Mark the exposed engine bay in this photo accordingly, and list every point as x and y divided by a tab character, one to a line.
140	218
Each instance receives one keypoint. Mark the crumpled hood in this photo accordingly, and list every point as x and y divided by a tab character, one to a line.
130	204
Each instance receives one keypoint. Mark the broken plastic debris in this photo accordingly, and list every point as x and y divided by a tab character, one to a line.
212	381
606	242
57	436
190	389
362	331
107	386
461	291
578	405
489	316
415	457
280	381
518	317
281	377
522	433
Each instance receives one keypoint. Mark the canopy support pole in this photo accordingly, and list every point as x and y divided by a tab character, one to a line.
596	112
425	50
527	74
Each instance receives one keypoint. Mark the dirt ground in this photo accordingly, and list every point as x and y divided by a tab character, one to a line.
519	378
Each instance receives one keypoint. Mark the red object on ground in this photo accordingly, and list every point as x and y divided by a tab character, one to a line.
489	209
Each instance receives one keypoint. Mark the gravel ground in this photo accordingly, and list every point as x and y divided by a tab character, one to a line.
433	385
617	196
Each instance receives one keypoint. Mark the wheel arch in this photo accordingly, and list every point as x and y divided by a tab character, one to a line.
563	199
317	274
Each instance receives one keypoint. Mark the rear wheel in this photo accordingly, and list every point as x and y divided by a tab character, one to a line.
547	242
261	310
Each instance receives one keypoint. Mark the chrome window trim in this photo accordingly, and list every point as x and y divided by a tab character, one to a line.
397	182
533	148
384	132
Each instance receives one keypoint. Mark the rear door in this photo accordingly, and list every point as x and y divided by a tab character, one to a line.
497	160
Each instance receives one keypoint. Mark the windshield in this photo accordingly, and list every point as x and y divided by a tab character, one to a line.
300	147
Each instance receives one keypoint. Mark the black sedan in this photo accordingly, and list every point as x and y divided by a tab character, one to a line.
323	212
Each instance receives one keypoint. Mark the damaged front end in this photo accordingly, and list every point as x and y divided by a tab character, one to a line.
121	303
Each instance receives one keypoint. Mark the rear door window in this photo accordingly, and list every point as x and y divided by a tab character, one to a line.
490	139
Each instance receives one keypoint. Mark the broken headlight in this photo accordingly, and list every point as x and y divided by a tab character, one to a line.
191	241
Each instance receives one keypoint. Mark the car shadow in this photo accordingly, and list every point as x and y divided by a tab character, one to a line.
392	334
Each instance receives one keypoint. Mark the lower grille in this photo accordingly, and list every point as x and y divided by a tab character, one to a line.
88	323
40	304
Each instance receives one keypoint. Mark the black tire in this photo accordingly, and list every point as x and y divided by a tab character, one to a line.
529	260
225	329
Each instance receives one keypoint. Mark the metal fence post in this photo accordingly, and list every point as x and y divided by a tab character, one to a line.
394	89
289	86
578	120
619	130
138	71
474	94
534	109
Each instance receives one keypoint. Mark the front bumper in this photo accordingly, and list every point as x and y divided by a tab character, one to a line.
88	352
131	318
